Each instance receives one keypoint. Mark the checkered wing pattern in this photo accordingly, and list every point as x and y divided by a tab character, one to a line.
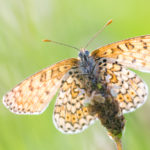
133	53
33	95
124	85
70	113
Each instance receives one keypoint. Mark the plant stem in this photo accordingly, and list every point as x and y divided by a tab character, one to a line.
118	143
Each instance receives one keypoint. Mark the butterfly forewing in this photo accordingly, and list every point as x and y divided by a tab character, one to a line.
124	85
33	95
70	113
133	53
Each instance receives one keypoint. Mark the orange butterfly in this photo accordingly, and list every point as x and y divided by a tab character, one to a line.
81	80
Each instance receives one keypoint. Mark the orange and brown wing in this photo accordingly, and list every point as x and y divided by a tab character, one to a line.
70	113
125	87
33	95
133	53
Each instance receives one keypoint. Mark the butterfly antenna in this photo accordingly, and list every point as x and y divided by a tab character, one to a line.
62	44
89	42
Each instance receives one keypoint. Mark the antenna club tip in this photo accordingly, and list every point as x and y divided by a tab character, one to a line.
46	40
109	22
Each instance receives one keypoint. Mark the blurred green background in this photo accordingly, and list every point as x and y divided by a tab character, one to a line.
23	24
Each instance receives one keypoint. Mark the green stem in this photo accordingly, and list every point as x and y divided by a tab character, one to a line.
118	143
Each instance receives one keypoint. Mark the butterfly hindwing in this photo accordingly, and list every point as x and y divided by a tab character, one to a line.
70	113
133	53
124	85
33	95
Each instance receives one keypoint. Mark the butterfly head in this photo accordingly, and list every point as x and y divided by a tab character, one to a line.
87	63
83	54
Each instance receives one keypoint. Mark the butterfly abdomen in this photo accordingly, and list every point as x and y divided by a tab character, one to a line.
108	112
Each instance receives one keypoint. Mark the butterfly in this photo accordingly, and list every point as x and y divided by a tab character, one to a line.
94	77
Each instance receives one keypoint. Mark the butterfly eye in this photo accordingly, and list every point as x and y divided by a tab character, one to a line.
87	53
80	55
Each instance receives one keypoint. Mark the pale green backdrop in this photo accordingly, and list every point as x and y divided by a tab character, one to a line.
23	25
